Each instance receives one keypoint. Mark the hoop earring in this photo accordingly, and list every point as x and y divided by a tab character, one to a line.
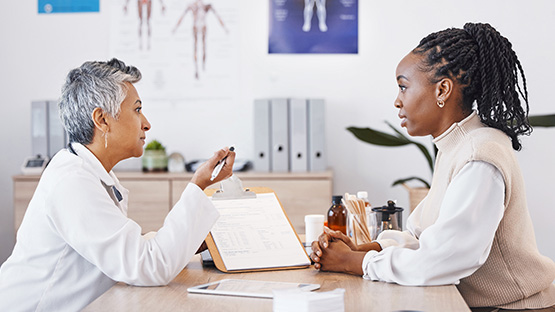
440	103
105	139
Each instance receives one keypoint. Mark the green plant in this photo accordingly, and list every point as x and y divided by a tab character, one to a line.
380	138
155	145
542	120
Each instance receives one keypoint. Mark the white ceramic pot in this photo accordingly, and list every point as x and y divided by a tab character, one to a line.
155	160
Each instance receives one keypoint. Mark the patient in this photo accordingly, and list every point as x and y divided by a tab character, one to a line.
75	241
461	86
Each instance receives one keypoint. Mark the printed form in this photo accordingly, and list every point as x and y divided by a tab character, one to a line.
254	233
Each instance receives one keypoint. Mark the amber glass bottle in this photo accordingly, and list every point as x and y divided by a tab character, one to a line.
337	215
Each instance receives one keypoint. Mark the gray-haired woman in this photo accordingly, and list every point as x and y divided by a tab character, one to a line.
75	240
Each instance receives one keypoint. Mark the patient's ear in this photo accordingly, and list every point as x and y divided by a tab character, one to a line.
444	89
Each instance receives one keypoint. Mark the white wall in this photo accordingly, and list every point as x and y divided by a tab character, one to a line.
37	52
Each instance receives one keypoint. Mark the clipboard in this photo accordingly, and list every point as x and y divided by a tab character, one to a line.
231	190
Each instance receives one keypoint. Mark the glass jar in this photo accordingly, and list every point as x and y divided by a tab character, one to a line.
337	215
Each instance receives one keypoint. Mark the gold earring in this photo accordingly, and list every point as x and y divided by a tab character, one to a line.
105	139
440	103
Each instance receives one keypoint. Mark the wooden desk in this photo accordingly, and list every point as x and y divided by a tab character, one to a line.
360	295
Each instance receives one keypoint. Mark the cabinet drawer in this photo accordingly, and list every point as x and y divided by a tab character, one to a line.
22	193
149	203
151	195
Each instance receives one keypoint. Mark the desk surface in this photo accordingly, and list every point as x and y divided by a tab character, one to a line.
360	295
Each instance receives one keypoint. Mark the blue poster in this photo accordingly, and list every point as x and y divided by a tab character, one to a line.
68	6
313	26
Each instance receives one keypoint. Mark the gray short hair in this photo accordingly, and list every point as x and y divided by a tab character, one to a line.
93	84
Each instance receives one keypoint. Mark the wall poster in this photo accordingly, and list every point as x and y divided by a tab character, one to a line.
313	26
185	49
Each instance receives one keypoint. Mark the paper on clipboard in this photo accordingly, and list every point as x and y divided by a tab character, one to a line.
254	233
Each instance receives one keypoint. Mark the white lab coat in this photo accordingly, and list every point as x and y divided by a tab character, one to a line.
75	241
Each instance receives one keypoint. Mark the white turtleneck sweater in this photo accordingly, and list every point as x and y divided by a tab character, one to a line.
434	254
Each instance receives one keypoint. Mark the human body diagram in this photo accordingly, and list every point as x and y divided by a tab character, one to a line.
144	6
320	12
199	11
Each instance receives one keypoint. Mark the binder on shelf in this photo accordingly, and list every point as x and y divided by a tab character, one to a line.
39	128
48	135
245	239
279	135
262	128
57	138
316	135
298	135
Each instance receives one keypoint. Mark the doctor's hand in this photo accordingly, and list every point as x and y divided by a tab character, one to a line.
204	172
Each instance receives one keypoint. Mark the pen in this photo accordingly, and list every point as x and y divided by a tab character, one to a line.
220	165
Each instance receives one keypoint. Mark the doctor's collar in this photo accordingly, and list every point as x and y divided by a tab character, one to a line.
90	159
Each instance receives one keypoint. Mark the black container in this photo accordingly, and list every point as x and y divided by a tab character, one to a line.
389	217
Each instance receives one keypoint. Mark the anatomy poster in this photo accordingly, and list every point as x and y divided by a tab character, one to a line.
313	26
185	49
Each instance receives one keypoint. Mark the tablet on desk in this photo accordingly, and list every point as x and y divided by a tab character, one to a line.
248	288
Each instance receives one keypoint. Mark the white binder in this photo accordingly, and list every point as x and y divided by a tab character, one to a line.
48	135
298	135
316	135
57	137
39	128
262	130
279	135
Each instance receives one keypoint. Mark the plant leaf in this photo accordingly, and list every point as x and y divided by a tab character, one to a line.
154	145
422	148
376	137
542	120
401	181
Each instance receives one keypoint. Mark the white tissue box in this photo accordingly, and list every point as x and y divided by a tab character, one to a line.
306	301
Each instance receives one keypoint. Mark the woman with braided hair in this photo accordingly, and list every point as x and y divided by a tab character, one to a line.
466	88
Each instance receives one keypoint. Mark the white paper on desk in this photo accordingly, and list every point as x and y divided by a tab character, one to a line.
255	234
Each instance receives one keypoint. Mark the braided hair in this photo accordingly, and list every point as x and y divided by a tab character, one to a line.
483	62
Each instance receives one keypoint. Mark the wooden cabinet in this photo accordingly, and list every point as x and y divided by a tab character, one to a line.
23	190
149	202
151	195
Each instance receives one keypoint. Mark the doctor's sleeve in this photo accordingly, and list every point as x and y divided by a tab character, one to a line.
88	220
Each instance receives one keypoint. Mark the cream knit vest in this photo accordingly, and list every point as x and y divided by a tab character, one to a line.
515	275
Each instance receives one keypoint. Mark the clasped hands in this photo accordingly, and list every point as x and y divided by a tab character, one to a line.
336	252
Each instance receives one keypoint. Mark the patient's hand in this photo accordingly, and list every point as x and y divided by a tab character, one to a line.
335	251
338	257
328	236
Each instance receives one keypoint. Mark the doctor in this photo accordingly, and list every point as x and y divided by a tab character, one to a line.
75	241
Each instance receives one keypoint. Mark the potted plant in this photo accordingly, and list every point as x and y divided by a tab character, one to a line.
155	159
416	194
